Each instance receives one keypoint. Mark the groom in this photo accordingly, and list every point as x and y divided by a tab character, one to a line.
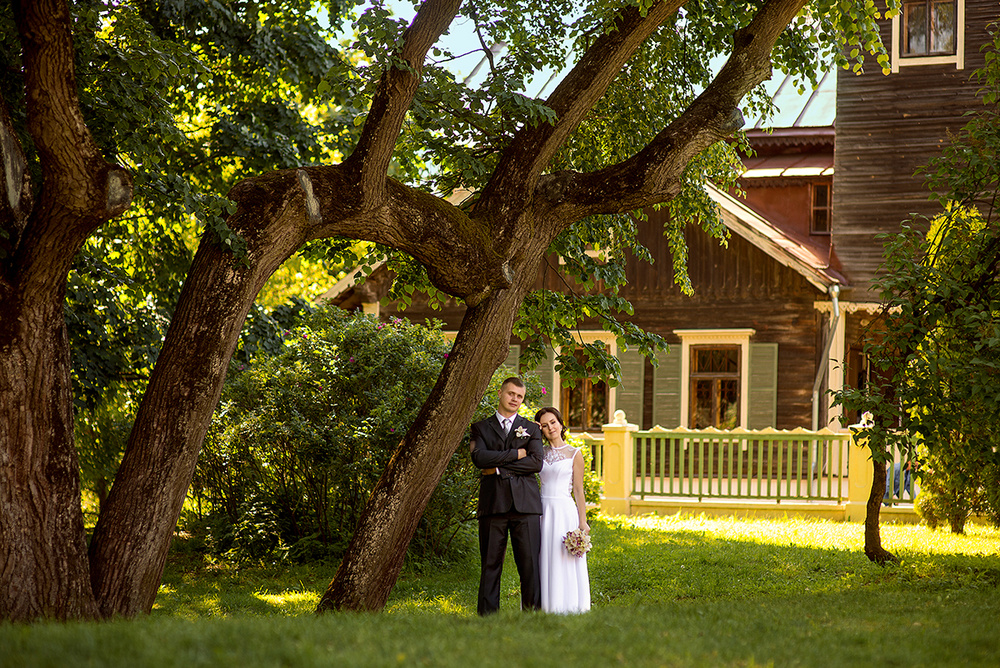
508	449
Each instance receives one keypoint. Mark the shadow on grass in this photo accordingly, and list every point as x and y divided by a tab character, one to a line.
635	562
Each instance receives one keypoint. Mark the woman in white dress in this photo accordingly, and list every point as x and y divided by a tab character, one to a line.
564	579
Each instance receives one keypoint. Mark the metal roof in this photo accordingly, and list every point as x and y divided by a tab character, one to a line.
812	109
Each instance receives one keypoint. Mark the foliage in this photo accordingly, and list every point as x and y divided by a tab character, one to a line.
457	128
936	351
300	439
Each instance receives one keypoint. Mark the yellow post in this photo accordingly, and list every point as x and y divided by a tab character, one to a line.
619	462
860	474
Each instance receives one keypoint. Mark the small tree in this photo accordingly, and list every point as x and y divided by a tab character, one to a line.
935	351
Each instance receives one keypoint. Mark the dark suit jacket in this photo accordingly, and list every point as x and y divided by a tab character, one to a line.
513	486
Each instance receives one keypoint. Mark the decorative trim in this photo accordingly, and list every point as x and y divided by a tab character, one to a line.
897	60
693	337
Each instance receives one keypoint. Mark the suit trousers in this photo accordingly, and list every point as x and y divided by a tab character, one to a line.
526	538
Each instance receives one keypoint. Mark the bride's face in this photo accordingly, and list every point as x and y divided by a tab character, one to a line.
551	429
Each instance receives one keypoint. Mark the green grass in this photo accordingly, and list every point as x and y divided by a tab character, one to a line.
677	591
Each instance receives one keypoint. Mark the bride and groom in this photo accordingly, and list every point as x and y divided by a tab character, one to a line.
509	451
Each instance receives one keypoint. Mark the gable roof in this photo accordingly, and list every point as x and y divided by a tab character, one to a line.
769	238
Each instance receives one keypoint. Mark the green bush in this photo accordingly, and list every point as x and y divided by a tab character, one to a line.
300	439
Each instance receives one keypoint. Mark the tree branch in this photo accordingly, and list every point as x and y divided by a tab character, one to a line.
322	202
651	176
532	148
80	190
373	154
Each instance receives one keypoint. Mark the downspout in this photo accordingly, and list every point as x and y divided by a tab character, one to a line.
834	291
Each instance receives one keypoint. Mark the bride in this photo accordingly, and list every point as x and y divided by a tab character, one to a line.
564	579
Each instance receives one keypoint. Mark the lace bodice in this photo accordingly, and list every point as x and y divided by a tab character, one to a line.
557	471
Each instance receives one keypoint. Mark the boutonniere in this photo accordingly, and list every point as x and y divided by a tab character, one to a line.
521	432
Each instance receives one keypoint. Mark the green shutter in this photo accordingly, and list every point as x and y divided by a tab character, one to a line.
628	396
667	389
544	373
513	356
762	402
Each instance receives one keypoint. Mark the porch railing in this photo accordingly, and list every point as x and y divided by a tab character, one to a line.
767	464
711	464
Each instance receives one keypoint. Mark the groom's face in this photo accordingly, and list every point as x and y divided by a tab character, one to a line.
511	397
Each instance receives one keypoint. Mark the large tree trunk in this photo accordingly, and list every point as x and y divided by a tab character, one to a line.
375	556
43	564
43	554
873	536
184	388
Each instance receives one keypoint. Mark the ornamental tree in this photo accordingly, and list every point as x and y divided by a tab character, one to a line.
638	119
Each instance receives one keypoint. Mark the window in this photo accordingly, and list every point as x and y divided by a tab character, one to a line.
714	377
715	387
928	28
819	218
929	32
585	402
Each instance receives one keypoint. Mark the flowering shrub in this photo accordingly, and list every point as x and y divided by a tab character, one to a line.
300	439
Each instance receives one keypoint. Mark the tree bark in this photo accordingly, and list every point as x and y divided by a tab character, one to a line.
873	537
43	565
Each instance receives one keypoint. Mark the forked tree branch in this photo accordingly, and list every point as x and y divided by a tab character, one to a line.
80	190
372	156
533	148
651	176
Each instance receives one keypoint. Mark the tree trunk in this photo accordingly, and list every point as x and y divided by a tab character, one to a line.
873	536
375	556
43	553
162	452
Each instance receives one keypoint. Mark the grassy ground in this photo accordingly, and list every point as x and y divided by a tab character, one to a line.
678	591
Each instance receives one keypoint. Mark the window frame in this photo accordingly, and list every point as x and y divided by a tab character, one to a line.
958	58
715	337
695	376
593	336
825	208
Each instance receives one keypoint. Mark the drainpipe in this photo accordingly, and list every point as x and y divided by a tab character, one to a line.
834	291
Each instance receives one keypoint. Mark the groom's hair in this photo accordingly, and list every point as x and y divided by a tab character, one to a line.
513	380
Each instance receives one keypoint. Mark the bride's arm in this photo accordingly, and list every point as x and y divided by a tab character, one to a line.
581	502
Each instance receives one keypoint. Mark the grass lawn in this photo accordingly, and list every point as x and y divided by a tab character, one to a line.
676	591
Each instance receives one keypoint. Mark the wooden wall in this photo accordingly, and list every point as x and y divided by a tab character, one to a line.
736	286
887	127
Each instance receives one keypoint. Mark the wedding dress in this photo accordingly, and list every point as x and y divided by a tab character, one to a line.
565	584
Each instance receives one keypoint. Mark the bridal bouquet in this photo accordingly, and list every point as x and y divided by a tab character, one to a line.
577	543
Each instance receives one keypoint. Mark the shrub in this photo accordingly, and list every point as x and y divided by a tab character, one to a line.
300	439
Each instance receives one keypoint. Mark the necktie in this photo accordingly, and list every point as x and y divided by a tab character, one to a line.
506	425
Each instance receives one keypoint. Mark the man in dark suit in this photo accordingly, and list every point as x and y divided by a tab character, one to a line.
508	450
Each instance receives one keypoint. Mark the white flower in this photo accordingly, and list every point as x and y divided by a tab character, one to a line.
577	542
521	432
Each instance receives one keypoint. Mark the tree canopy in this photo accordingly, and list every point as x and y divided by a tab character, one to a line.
269	126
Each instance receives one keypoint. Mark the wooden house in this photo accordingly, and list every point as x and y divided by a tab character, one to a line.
775	316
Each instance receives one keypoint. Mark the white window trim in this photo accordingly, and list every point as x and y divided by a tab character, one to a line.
958	58
715	337
589	336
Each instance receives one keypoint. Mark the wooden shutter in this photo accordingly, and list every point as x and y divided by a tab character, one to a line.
513	356
762	402
544	373
628	395
667	389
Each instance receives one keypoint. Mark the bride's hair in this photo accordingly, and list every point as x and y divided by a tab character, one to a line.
554	411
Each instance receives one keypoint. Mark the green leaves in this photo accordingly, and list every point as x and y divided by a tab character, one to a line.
936	351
